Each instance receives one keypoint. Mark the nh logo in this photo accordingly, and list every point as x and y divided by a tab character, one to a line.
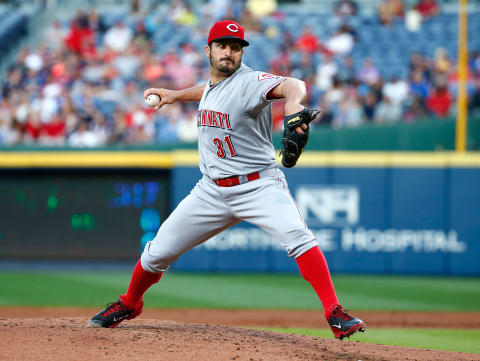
329	205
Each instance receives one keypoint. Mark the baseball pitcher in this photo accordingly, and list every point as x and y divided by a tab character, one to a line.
241	180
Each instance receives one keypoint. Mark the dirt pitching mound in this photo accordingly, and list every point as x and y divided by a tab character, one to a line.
268	318
146	339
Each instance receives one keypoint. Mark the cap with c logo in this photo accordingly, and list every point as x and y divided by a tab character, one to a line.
227	29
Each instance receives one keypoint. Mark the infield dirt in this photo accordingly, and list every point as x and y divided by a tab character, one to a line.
62	334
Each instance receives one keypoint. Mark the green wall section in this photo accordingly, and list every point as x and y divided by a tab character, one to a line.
424	135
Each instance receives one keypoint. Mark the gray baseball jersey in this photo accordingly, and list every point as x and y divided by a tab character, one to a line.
234	139
234	121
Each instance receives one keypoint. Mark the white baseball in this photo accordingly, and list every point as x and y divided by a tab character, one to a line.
152	100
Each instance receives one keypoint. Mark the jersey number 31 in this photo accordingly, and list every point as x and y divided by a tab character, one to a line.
220	150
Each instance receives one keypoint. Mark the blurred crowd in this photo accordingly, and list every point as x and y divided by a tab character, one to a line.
356	95
83	86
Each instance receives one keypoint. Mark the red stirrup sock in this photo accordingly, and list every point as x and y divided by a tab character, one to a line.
314	269
140	283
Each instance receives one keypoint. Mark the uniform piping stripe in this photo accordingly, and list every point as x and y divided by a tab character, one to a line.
265	92
285	186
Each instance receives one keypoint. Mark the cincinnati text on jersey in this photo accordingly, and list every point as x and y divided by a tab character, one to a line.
211	118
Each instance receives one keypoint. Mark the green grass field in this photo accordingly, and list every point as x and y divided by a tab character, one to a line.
439	339
181	290
254	291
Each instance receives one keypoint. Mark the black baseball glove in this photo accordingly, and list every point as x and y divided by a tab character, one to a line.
294	143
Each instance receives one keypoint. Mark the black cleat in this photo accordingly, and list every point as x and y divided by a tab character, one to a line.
342	324
114	313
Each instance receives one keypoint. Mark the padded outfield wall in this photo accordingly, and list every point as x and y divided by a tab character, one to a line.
393	213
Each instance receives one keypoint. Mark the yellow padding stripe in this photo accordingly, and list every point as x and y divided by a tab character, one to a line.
152	159
186	157
388	159
86	159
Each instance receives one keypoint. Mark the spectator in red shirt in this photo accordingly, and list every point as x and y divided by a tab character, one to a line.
53	132
427	8
439	102
308	42
33	128
81	39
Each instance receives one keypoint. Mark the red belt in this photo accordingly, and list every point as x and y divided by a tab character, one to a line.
236	180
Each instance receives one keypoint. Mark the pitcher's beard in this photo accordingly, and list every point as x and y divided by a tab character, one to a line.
224	70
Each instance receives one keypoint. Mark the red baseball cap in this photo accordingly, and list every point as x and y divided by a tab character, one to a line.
227	29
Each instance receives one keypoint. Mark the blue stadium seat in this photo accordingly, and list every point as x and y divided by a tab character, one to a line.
13	25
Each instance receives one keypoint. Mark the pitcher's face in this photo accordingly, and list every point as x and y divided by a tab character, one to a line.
225	55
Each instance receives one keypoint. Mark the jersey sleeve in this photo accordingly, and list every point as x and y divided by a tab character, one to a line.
256	86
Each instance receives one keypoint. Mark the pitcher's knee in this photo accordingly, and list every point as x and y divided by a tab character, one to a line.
296	250
157	261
